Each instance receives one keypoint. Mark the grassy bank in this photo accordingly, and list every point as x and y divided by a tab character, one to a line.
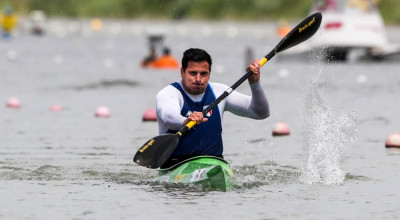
182	9
390	10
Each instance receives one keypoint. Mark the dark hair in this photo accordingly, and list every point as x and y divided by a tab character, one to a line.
195	55
166	51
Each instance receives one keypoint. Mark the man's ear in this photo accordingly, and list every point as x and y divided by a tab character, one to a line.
182	72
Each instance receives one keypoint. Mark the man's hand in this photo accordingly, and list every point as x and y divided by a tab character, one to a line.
197	117
255	66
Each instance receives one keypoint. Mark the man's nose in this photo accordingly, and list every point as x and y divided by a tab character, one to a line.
197	77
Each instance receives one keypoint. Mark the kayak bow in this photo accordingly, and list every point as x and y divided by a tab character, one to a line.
212	173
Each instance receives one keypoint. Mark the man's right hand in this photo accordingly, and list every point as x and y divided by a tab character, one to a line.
197	117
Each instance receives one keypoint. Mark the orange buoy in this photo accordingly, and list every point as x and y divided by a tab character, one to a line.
150	115
13	103
280	129
393	141
55	108
102	112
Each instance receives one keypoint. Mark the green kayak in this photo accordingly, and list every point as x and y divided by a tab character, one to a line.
212	173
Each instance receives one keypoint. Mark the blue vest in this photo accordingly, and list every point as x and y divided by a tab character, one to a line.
202	139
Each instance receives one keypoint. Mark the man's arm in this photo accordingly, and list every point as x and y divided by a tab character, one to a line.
169	103
255	106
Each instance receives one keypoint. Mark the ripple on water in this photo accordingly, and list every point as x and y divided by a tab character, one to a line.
107	84
267	173
45	172
247	177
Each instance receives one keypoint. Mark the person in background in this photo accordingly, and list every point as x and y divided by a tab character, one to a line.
166	61
183	101
149	60
8	21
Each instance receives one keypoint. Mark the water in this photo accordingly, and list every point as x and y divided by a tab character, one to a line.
72	165
325	134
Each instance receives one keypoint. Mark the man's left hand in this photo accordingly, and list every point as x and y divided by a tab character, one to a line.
255	66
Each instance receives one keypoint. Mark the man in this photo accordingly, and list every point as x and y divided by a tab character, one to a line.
184	101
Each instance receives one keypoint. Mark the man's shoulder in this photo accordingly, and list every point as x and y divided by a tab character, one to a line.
215	85
218	87
168	90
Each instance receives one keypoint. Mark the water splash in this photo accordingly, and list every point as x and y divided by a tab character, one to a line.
325	134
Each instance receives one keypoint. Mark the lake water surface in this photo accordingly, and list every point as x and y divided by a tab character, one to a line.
72	165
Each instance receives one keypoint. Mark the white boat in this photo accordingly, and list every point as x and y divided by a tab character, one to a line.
350	30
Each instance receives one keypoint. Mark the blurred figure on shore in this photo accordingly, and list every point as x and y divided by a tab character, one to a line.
8	22
38	18
149	60
166	61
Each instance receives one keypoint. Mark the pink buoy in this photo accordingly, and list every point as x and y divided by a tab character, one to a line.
150	115
280	129
393	141
102	112
55	108
13	103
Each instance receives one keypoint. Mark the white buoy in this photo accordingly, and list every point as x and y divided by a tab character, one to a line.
280	129
55	108
232	31
150	115
283	73
182	30
13	103
12	55
206	30
393	141
102	112
115	28
58	59
108	63
137	29
362	79
219	69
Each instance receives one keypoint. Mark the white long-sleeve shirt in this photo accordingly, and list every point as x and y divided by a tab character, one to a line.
169	102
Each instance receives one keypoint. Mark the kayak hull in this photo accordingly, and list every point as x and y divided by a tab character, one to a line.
212	173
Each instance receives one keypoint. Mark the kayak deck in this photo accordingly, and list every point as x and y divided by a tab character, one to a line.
212	173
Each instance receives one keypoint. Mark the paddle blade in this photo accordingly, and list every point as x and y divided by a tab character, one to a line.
303	31
156	151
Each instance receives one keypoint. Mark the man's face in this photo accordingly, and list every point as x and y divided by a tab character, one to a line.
195	77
